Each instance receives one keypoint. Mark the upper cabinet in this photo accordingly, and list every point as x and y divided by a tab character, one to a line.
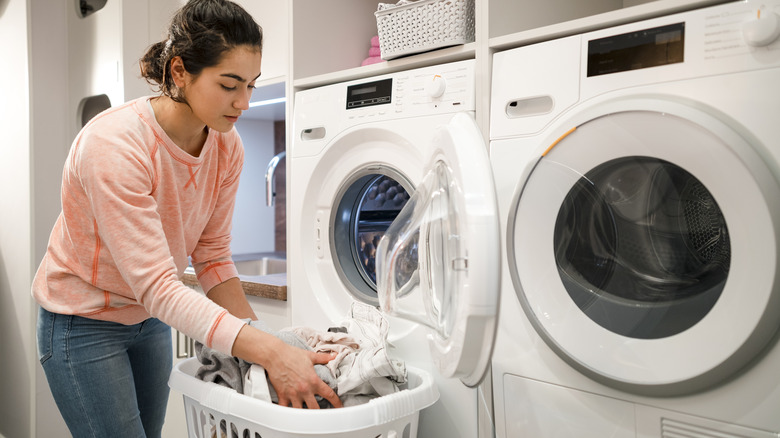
273	17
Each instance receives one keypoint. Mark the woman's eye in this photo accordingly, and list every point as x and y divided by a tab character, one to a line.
228	88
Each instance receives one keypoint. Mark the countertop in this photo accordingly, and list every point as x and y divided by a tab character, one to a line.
273	286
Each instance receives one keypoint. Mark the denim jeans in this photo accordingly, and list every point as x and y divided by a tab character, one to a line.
108	379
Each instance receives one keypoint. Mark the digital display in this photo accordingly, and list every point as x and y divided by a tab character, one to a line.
636	50
369	94
361	91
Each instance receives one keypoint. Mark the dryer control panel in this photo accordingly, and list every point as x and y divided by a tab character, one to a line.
324	112
430	90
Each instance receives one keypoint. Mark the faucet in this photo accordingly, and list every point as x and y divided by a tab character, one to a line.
270	183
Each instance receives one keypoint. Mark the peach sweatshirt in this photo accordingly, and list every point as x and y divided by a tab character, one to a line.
134	207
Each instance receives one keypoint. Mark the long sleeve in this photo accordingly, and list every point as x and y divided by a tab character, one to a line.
135	206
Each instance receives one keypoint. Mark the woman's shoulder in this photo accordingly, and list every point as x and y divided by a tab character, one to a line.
119	128
129	111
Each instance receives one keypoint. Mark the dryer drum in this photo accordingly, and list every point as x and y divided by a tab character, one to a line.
642	247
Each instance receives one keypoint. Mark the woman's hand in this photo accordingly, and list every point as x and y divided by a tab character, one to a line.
290	369
292	375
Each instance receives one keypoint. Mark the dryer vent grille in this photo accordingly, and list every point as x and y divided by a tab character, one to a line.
680	429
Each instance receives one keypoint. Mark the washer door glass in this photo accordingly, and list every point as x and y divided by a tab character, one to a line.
439	262
643	248
368	203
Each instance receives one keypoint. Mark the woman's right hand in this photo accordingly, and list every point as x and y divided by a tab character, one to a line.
290	369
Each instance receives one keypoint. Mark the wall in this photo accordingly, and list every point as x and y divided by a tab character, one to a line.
253	221
52	124
16	311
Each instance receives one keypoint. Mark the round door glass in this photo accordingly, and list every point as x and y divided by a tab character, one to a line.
367	206
642	247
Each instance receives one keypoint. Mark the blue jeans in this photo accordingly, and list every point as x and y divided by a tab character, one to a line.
108	379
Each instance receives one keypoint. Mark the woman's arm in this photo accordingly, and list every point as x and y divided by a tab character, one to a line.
230	295
290	369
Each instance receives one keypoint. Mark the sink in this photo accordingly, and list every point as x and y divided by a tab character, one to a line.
256	265
261	266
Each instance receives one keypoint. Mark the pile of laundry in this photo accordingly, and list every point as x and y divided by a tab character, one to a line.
361	370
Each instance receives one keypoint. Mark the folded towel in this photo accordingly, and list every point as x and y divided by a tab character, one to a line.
371	60
375	41
374	52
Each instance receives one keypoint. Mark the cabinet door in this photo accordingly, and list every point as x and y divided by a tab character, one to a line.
273	17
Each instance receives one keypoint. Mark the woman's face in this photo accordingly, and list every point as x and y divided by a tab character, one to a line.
221	93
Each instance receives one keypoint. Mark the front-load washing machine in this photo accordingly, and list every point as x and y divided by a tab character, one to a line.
637	173
400	157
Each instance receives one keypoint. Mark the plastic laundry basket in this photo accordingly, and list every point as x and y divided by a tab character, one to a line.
217	411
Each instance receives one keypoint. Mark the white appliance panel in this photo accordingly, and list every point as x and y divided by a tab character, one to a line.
358	136
706	112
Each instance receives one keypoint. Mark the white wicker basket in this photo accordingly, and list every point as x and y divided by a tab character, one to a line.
424	25
215	411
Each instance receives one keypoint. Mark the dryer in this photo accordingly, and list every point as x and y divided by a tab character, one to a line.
637	176
399	159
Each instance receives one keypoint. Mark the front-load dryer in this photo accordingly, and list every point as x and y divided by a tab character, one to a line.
637	173
390	184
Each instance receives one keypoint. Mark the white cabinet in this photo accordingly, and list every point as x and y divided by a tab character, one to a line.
273	17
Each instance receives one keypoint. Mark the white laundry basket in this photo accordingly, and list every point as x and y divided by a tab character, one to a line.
211	409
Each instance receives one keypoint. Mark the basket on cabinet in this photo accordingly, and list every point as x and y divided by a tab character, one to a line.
424	25
215	411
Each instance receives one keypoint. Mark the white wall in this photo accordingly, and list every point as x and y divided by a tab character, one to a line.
253	221
16	310
51	125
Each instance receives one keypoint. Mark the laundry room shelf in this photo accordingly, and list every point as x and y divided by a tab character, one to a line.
424	25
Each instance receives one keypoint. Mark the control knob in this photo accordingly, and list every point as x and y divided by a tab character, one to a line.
436	87
762	30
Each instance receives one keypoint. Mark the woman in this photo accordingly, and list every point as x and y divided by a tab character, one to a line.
145	186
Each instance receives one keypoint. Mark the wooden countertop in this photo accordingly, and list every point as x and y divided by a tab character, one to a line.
273	286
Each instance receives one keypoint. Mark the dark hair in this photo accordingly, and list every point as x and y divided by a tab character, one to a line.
201	32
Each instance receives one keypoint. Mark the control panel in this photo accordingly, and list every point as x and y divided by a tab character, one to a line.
424	91
730	38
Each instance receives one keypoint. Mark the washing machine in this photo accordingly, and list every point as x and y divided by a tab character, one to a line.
392	203
637	175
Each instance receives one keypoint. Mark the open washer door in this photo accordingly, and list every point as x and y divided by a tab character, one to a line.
438	264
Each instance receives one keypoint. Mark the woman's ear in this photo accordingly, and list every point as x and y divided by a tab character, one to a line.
178	72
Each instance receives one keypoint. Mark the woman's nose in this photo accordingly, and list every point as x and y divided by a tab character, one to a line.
243	102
